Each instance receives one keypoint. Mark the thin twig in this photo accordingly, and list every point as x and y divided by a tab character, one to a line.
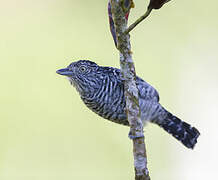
130	90
144	16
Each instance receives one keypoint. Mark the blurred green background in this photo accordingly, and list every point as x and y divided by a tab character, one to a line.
46	132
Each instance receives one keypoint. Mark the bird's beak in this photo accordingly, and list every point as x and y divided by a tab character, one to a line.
65	72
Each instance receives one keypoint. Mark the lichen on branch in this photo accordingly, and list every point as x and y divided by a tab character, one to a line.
131	92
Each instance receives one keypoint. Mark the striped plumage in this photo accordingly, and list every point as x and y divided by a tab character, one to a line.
102	90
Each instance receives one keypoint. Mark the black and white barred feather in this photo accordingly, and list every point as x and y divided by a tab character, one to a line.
102	90
181	130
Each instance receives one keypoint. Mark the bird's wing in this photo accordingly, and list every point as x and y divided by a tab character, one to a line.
146	91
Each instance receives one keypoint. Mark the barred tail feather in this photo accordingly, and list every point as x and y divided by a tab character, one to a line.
182	131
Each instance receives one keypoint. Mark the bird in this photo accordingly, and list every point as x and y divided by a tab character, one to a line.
101	89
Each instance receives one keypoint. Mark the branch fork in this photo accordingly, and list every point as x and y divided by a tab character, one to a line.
118	11
130	89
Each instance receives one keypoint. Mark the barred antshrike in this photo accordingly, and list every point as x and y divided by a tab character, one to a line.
102	90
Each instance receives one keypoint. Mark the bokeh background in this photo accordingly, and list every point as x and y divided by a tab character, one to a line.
46	133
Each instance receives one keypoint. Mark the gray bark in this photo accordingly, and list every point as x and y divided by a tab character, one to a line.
131	91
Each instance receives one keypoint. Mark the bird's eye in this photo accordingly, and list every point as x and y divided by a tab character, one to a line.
82	69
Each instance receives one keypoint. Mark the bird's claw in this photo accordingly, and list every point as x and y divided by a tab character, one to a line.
137	136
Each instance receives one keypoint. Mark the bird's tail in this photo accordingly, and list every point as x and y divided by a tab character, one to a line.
181	130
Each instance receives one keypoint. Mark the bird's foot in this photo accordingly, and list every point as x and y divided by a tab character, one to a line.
135	136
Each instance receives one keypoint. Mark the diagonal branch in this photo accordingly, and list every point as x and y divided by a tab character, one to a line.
154	4
131	91
144	16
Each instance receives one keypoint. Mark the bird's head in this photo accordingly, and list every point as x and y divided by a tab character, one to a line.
84	75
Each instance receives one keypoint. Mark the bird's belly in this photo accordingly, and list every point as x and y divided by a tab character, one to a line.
115	112
111	111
